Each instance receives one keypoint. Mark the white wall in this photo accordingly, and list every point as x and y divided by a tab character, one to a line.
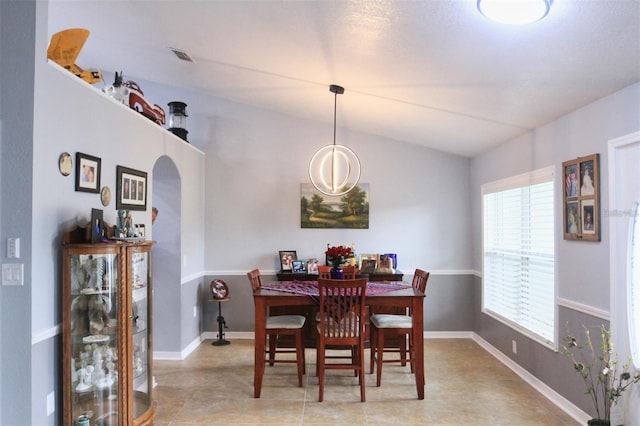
74	117
256	160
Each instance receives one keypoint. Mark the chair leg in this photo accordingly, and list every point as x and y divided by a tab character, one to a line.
403	350
361	371
272	348
317	362
320	369
304	358
411	358
379	353
353	355
373	334
299	356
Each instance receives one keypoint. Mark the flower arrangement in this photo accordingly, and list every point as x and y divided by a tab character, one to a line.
338	255
600	374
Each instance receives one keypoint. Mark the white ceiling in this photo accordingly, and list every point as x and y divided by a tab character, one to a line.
434	73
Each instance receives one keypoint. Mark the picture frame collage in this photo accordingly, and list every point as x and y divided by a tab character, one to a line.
369	263
581	198
289	262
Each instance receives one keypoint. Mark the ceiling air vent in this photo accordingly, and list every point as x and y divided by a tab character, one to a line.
182	55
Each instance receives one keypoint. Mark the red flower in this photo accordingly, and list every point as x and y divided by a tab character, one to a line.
338	254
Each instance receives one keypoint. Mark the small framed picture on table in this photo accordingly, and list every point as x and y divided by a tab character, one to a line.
312	266
286	260
368	266
298	266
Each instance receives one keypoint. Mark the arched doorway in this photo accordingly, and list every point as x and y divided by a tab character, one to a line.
166	256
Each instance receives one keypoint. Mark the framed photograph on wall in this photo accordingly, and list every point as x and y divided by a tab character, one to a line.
87	173
286	260
581	198
131	189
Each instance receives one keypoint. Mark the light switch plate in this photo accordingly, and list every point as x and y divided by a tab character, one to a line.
12	273
13	248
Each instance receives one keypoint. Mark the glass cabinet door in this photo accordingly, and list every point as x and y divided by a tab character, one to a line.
140	303
93	337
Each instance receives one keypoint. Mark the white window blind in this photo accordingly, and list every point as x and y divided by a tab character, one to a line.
518	266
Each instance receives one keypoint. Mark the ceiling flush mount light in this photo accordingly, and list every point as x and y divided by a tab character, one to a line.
514	12
334	169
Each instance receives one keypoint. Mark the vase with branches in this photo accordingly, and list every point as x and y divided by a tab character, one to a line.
599	370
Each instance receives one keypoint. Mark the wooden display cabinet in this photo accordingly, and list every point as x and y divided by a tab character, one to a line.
106	336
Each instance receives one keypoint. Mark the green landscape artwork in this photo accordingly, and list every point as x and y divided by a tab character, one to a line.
350	210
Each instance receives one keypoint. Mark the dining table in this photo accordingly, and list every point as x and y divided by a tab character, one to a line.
379	294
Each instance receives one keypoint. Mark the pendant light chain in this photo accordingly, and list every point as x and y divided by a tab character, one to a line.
334	169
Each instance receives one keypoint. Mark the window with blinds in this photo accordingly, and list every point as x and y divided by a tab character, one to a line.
518	254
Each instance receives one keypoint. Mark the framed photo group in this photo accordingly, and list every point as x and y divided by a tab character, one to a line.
581	206
289	262
131	189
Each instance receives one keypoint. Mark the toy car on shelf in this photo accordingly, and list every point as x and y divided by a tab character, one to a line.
134	97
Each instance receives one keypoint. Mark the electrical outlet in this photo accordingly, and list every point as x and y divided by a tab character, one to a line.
195	311
51	403
514	346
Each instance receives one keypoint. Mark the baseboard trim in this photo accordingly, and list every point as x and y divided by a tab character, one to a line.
178	356
560	401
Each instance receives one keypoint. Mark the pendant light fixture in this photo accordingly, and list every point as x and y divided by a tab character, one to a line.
334	169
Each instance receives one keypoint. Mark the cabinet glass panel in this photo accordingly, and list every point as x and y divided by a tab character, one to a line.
94	337
142	379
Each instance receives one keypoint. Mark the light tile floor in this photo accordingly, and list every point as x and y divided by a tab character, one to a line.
465	385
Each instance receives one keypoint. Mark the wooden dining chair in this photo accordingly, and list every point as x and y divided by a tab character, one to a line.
324	272
341	327
281	325
350	272
382	325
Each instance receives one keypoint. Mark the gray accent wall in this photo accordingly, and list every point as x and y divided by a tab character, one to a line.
582	268
17	62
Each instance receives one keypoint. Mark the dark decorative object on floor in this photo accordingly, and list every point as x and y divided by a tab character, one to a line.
598	422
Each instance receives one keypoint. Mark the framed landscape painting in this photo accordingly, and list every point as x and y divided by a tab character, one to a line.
320	211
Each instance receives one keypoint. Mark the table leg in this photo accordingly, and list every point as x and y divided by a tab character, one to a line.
260	338
418	344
